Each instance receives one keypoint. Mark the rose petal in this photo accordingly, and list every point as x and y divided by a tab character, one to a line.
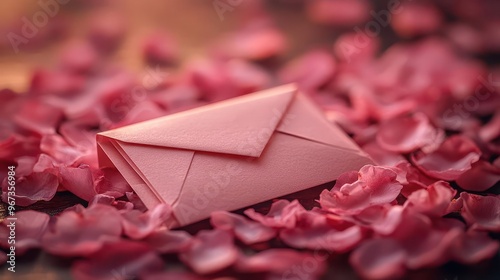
119	260
283	214
375	186
29	228
281	262
313	232
210	251
138	225
168	241
482	212
480	177
453	158
406	134
432	201
32	188
379	259
473	247
84	232
249	232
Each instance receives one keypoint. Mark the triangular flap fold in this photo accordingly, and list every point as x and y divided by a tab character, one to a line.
239	126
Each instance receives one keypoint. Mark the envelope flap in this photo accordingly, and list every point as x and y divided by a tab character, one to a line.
231	127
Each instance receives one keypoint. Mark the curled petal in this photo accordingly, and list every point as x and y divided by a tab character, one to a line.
210	251
138	225
375	186
432	201
283	214
32	188
452	159
249	232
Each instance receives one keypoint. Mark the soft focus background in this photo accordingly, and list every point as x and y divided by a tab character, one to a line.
196	27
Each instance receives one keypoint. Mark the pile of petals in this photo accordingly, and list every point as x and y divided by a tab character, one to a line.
425	111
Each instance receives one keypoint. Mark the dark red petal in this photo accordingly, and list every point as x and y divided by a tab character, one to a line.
210	251
118	260
247	231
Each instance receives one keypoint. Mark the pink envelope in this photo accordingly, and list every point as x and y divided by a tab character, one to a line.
231	154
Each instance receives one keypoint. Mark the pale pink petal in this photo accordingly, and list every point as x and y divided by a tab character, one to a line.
138	225
79	181
452	159
381	156
375	186
210	251
283	214
482	212
406	134
247	231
